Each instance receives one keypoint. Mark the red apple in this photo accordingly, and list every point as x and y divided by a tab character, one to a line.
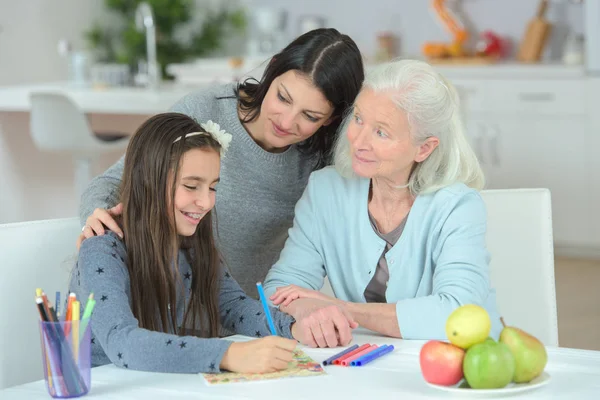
441	363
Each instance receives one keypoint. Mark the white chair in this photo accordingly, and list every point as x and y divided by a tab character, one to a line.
520	240
59	126
38	254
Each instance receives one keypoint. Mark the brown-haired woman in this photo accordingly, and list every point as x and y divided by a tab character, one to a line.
162	292
283	128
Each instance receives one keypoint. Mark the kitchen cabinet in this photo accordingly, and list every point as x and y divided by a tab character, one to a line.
536	133
545	153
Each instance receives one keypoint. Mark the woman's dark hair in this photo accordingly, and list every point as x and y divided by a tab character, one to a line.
150	174
333	63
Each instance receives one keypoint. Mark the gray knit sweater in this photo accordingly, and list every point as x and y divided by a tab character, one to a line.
255	198
118	339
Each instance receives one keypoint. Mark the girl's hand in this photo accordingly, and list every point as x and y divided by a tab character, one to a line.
283	296
269	354
95	223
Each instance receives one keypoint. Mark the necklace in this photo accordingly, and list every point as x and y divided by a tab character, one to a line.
388	215
387	219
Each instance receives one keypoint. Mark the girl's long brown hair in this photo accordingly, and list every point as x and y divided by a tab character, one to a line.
150	177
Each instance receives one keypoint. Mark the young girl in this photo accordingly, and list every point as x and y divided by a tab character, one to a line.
283	129
161	292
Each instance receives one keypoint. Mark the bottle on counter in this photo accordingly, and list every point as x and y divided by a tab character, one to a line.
386	47
573	53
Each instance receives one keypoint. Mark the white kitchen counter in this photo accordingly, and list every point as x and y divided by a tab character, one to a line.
512	70
145	101
126	100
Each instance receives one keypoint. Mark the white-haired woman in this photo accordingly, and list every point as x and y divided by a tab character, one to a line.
397	224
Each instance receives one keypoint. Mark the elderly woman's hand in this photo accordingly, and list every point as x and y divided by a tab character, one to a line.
283	296
320	323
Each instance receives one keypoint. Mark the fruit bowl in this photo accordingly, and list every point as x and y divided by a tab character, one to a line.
473	363
463	388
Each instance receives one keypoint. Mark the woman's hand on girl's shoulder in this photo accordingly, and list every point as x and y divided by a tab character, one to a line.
269	354
284	295
100	218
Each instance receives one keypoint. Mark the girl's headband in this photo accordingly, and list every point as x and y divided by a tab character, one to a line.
213	129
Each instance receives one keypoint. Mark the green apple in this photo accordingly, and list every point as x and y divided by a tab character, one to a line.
489	365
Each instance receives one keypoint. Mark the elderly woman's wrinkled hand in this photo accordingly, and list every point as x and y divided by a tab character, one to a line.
321	323
283	296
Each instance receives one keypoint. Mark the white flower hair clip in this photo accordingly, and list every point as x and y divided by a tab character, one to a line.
219	134
213	129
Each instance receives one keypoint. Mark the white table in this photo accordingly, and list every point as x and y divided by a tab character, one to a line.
574	374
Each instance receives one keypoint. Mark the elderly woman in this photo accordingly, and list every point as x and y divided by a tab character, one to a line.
397	224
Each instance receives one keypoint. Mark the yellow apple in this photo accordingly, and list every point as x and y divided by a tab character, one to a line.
468	325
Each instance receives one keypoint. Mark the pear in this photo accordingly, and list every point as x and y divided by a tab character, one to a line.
530	354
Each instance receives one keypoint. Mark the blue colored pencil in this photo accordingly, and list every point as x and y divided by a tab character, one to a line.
57	303
263	300
367	358
331	359
55	374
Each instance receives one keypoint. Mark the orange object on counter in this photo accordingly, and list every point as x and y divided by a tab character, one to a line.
459	34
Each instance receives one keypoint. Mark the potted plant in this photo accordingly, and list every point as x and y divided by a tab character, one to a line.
177	38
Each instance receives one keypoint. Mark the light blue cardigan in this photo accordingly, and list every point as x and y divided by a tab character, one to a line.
439	263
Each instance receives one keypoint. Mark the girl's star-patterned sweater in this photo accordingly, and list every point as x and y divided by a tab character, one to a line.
116	336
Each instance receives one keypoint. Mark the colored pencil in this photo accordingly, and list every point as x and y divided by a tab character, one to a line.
57	303
265	305
44	318
72	298
338	361
331	359
75	330
87	313
49	309
54	371
41	309
369	349
383	350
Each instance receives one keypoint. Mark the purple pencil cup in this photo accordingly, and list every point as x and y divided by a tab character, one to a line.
66	358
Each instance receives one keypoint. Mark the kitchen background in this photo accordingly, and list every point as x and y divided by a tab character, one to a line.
30	30
532	125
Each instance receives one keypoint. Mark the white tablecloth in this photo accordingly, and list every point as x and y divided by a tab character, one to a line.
574	374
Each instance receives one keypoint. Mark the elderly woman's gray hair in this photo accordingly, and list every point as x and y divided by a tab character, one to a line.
432	107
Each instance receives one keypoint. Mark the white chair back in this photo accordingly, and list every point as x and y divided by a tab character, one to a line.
37	254
520	241
57	124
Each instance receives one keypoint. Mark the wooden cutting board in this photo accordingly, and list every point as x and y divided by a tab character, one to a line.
536	36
